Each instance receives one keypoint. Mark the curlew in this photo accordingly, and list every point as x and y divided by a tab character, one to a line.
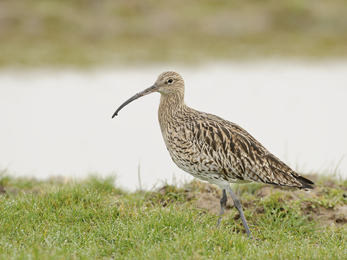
213	149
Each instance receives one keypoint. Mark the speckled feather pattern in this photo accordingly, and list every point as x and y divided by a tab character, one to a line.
214	149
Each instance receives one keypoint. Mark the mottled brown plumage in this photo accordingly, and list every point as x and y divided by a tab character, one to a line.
213	149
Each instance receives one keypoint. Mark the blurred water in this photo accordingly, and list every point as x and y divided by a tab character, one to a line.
58	122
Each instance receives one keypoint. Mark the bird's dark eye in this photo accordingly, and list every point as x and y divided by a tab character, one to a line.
170	80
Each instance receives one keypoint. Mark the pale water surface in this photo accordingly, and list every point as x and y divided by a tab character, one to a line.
58	122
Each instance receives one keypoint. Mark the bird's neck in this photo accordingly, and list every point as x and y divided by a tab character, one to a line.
171	108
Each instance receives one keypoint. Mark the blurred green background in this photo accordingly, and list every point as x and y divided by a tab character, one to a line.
94	32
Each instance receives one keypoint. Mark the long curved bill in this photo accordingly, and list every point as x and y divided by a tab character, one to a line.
138	95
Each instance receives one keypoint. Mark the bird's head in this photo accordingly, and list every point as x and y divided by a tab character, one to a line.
168	83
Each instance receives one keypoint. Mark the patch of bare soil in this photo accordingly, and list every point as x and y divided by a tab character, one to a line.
210	202
326	216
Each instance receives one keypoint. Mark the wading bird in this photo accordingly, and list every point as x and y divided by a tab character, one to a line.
213	149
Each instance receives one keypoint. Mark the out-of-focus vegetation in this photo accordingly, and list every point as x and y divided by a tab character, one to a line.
86	32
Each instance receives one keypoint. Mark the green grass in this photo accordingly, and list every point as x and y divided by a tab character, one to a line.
94	219
86	32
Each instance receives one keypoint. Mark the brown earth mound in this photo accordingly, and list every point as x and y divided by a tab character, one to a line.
326	203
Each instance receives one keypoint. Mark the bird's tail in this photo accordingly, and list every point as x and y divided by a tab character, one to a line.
306	183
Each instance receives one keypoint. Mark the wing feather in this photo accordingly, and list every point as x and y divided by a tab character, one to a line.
240	155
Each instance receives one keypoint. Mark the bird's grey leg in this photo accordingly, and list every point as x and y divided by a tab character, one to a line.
223	203
238	205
